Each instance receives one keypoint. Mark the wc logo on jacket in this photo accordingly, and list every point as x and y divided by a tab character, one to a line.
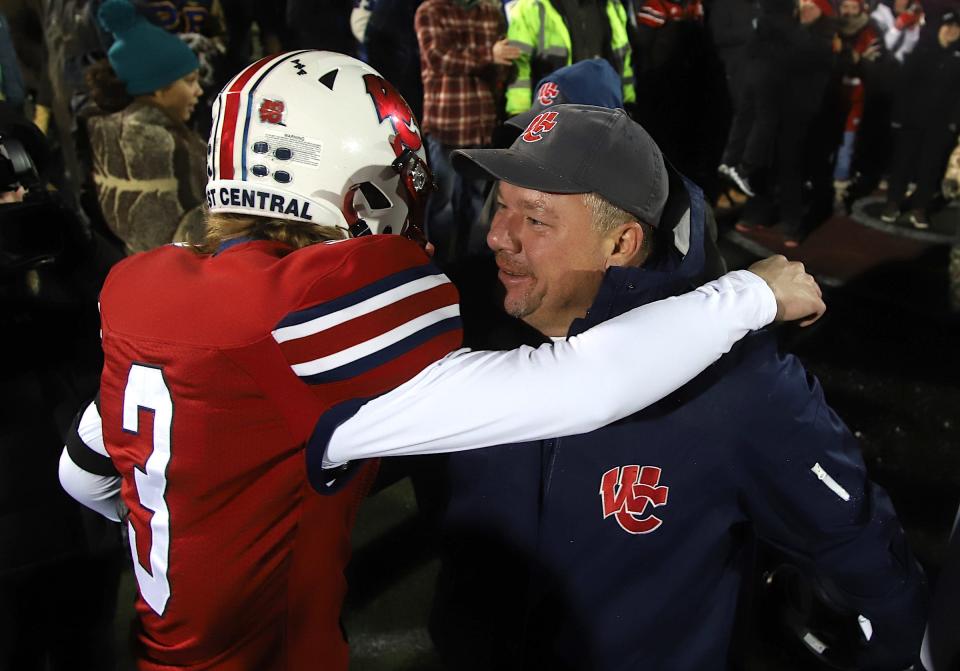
542	123
630	493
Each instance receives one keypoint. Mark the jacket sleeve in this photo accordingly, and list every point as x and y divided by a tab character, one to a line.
807	491
810	47
440	50
873	70
522	32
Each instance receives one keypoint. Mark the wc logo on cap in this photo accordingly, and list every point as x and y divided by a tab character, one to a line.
548	94
542	123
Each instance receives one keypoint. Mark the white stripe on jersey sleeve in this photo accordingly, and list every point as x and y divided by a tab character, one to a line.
372	304
368	347
90	430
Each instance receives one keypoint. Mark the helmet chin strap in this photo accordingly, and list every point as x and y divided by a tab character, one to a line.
418	183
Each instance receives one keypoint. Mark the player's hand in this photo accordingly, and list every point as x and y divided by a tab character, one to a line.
505	52
798	294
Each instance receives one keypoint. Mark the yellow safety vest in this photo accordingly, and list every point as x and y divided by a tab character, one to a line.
540	32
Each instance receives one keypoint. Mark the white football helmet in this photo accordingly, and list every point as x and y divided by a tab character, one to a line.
318	136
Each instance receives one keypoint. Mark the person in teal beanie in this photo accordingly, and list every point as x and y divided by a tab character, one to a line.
149	168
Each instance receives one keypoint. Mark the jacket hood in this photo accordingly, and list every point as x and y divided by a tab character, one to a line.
685	256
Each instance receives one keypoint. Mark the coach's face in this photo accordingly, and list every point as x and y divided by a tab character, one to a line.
551	258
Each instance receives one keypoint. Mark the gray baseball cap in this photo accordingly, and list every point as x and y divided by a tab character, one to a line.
580	149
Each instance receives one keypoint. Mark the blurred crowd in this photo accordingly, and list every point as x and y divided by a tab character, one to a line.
781	110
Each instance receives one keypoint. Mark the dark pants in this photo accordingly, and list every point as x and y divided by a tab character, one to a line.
453	207
753	129
921	155
784	192
678	100
873	148
735	72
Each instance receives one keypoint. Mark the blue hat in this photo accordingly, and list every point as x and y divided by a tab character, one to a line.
591	82
145	57
580	149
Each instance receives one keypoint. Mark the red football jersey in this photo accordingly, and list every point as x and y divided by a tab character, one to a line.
224	376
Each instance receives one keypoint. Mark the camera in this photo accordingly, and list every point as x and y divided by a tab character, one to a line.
36	229
16	165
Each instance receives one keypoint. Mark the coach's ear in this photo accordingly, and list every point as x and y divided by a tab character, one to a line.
625	244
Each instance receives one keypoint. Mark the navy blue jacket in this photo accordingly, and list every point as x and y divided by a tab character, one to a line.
625	548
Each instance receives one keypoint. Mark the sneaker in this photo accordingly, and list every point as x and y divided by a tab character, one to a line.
919	220
724	170
840	189
739	178
891	212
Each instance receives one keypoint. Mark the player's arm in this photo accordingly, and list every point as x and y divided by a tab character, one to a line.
477	399
807	491
86	472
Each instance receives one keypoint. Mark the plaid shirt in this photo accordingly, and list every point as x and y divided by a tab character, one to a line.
459	76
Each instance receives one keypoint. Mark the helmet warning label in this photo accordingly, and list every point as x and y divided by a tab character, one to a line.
289	149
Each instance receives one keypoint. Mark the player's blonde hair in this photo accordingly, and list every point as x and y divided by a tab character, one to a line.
224	226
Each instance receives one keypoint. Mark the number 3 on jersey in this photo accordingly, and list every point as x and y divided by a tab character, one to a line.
146	389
